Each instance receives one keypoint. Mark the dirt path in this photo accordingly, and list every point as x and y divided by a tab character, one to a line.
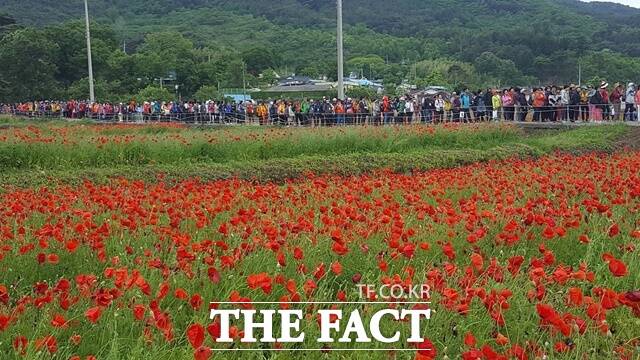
630	140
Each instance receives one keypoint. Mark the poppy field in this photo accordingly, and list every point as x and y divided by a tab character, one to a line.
532	257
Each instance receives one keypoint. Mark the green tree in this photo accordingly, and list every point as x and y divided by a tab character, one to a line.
503	70
370	65
80	90
435	78
447	72
207	92
358	92
259	58
71	57
233	75
153	93
310	71
27	66
126	71
611	66
165	52
269	77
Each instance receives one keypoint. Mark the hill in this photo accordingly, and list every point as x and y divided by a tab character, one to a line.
478	42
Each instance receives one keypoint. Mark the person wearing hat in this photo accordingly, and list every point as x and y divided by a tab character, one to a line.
522	101
604	96
584	103
438	104
630	103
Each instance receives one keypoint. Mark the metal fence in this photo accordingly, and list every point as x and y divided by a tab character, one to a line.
510	113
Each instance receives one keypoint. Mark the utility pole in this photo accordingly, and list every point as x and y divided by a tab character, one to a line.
579	73
244	82
92	95
340	54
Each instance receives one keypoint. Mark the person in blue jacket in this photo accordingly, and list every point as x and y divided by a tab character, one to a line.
465	105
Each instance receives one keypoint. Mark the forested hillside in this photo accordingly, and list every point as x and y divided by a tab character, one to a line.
449	42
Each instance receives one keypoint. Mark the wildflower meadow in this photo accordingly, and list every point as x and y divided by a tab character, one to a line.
117	241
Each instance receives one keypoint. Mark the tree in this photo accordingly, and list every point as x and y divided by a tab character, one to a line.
310	71
436	78
232	77
71	57
27	66
611	66
207	92
126	71
503	70
447	72
269	77
259	58
164	52
358	92
370	65
80	90
153	93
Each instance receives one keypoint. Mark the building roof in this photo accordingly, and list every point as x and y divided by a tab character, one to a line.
294	81
300	88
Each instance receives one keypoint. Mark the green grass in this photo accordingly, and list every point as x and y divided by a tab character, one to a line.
80	148
73	151
276	170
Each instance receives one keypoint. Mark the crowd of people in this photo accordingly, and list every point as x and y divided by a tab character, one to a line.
549	104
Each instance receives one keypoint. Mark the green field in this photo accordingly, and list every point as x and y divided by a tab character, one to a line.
115	238
41	152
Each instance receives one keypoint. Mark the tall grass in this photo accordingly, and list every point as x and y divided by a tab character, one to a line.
81	148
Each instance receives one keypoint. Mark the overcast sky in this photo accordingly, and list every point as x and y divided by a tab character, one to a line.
634	3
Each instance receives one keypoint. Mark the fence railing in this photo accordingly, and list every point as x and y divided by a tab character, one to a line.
581	112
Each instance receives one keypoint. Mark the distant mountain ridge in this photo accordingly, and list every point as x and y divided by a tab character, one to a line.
426	41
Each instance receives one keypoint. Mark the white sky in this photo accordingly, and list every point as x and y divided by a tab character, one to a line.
634	3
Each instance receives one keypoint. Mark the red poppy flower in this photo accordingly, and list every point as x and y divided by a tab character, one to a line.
202	353
93	314
195	335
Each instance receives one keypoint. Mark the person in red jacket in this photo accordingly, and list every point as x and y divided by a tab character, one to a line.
538	101
616	101
339	110
386	109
